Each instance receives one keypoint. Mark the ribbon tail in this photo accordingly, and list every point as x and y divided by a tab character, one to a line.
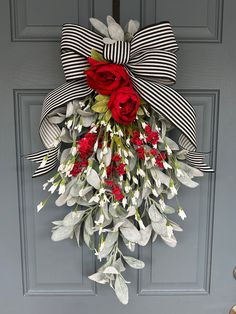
46	158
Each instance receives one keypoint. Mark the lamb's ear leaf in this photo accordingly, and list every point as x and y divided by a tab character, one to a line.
99	26
121	290
133	262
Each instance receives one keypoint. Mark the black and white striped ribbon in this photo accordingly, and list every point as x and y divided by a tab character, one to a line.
151	63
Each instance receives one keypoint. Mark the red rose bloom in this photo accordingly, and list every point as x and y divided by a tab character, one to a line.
124	104
105	77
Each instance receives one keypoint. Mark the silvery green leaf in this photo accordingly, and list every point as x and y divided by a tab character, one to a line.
107	40
146	192
160	227
73	218
64	155
128	244
145	235
130	232
71	201
65	136
131	211
83	202
171	144
62	233
85	190
110	20
132	162
84	113
169	210
113	211
163	128
181	154
110	270
107	157
172	242
186	180
93	179
133	262
61	200
118	264
86	121
89	225
75	189
117	225
69	109
132	27
154	214
111	238
77	234
159	175
154	237
115	30
106	212
191	171
89	241
121	290
99	278
56	119
99	26
176	227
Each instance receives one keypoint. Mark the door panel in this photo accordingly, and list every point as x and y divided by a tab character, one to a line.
39	276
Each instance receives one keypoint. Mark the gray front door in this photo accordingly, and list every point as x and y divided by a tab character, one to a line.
38	276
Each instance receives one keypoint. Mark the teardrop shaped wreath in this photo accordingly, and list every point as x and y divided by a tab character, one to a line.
109	126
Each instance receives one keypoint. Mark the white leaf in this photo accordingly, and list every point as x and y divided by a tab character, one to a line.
69	109
93	179
160	227
132	26
115	30
110	270
169	210
130	232
145	235
185	180
99	26
86	121
99	278
56	119
62	233
77	234
89	225
171	144
172	242
154	214
64	155
133	262
73	218
121	290
191	171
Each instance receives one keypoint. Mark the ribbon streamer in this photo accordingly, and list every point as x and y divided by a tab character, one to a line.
151	62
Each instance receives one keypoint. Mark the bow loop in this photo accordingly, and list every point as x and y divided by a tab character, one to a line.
118	52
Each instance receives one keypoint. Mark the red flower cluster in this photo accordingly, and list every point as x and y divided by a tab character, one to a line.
116	190
159	160
119	169
85	145
85	148
77	168
112	79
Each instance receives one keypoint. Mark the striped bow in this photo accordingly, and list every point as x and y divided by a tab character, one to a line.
151	63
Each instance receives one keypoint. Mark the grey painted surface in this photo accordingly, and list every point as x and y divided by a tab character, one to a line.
38	276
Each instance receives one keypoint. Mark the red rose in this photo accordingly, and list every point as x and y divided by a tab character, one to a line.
105	77
124	104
